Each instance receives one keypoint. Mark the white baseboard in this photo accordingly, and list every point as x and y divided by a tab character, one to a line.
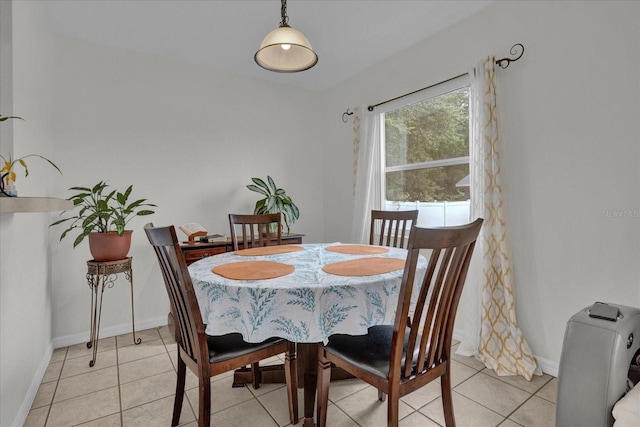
549	367
111	331
24	409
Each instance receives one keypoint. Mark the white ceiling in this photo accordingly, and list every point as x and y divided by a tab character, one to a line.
348	36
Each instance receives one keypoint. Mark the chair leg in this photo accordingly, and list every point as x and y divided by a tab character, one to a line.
291	378
447	399
324	378
204	405
255	374
381	396
177	403
393	406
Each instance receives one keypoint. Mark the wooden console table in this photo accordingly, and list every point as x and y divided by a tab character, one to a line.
198	250
101	275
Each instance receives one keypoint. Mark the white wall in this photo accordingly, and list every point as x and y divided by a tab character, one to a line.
189	139
570	127
25	281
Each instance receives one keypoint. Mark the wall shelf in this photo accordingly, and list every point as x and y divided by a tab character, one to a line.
34	204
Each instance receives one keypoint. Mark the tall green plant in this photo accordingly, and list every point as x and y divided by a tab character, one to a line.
102	212
275	200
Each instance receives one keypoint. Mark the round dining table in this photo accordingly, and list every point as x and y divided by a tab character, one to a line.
319	290
304	293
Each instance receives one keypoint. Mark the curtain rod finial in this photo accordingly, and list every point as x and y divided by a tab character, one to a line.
504	62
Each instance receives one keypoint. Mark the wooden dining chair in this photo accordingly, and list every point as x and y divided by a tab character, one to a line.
400	358
204	354
256	230
391	227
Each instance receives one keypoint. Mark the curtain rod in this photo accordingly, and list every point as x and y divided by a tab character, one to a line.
502	63
371	107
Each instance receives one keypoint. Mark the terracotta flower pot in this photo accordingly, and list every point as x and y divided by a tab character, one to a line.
109	246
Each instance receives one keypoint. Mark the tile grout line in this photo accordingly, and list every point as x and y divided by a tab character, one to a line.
164	342
175	370
518	407
528	399
476	402
511	421
56	387
531	395
255	397
119	384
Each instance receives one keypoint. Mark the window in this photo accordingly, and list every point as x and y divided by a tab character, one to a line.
425	154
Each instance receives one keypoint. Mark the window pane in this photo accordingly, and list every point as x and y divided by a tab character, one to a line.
434	129
427	185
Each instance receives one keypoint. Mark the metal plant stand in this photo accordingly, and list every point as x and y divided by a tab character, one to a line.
101	275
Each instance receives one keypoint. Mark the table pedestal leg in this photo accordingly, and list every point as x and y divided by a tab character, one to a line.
307	378
309	398
307	366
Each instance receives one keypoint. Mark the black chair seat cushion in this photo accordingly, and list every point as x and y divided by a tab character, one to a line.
370	352
223	347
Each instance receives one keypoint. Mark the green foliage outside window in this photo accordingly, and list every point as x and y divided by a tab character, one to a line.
434	129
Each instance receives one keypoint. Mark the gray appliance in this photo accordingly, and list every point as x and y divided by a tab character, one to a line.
594	365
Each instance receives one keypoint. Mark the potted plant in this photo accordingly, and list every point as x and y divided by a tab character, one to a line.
7	172
275	200
102	216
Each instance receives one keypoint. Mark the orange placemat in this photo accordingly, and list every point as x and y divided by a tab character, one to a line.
358	249
269	250
364	266
253	270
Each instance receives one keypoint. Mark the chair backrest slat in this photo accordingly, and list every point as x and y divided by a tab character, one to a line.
419	308
182	298
440	306
391	227
431	322
257	230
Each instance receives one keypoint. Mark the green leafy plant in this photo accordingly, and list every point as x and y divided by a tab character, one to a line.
7	173
101	210
275	200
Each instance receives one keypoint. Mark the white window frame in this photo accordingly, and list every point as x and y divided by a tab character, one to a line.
429	93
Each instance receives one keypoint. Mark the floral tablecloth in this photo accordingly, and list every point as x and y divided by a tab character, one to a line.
307	305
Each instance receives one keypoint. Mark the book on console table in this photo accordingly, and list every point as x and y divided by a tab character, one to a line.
193	230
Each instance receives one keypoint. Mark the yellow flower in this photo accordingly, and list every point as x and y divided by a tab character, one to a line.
7	172
11	176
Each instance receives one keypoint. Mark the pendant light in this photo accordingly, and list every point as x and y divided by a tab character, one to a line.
284	49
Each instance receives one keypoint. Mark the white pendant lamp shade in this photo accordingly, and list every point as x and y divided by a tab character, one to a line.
285	50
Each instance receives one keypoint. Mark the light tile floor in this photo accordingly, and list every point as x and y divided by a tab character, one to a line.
134	386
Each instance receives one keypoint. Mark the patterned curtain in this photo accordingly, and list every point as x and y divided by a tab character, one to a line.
500	343
356	145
